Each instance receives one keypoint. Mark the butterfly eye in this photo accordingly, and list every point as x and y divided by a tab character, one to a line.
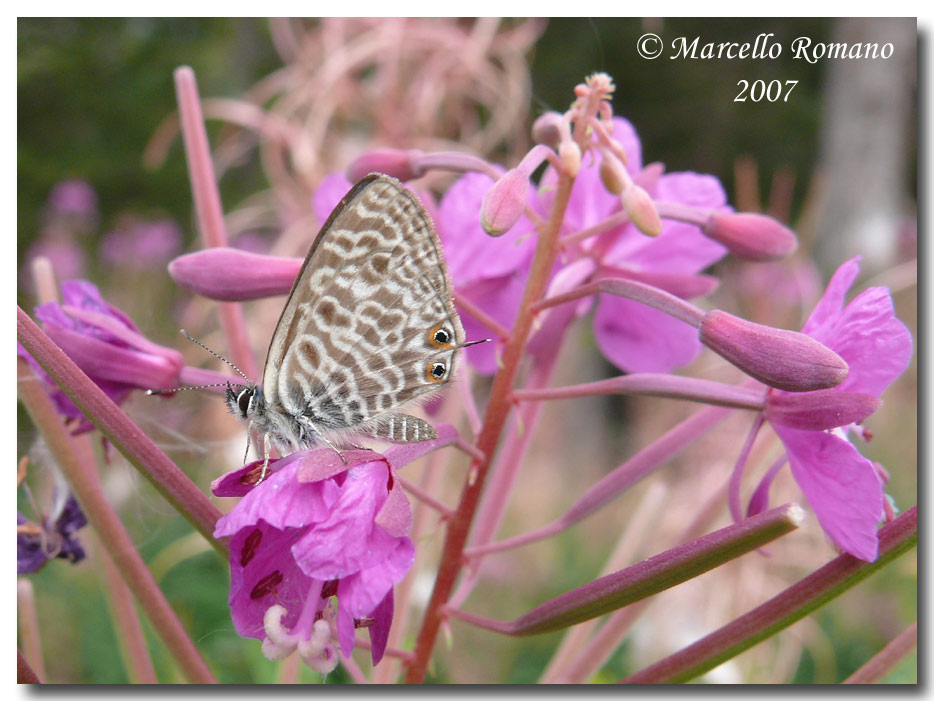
437	371
440	336
244	400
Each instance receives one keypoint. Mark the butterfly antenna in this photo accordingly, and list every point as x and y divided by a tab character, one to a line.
468	344
216	355
153	392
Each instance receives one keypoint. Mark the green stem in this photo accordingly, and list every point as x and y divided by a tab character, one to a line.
776	614
649	577
887	658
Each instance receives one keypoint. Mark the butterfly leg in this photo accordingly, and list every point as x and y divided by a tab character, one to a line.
334	448
262	475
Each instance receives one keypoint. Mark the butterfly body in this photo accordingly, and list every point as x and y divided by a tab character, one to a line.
369	326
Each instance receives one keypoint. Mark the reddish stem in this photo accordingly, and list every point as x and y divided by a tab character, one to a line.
498	408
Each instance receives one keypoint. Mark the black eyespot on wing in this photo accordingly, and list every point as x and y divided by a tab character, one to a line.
440	336
436	371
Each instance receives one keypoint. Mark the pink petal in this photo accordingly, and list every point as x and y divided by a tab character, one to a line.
873	342
395	516
281	501
321	463
379	631
270	559
348	540
362	592
840	485
831	303
637	338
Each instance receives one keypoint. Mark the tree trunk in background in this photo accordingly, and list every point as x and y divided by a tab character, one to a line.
869	134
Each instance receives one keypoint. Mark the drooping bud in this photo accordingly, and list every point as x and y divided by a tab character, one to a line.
783	359
547	129
820	410
230	274
398	163
641	210
751	236
504	203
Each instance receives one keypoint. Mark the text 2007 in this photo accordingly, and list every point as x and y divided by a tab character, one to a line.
759	90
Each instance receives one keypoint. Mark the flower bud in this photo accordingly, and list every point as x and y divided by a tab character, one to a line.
611	175
546	129
783	359
398	163
504	203
641	210
570	154
230	274
751	236
820	410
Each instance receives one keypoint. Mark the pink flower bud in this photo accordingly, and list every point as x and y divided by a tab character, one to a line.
820	410
787	360
391	161
546	129
504	202
612	175
570	154
233	275
751	236
641	210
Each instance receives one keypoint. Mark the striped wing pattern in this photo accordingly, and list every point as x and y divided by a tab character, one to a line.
358	336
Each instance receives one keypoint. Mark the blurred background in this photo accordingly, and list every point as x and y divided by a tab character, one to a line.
103	192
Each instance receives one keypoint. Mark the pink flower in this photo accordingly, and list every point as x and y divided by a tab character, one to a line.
632	336
105	344
842	486
316	528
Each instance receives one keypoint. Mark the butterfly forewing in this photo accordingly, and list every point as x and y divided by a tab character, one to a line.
369	323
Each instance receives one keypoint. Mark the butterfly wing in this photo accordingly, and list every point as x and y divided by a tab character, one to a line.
370	323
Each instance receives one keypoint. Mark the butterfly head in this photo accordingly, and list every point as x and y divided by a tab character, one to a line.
244	401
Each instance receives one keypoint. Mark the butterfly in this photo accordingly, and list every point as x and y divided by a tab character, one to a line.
369	326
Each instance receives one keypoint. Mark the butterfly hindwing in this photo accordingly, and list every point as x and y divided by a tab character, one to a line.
369	323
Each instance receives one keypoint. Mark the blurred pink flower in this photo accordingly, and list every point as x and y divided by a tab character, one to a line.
75	200
105	344
144	244
314	528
